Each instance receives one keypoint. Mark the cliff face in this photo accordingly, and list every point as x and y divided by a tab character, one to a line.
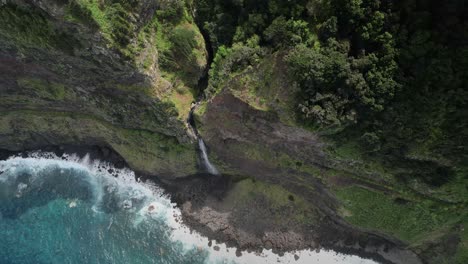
68	76
123	74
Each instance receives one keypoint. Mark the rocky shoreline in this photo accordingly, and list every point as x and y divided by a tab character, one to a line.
205	204
202	201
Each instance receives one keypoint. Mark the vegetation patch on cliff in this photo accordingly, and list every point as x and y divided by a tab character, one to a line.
404	219
275	197
28	27
43	89
144	151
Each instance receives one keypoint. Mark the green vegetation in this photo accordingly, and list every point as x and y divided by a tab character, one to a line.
113	20
144	151
274	159
182	100
161	40
182	60
183	52
407	220
320	73
173	11
181	48
416	223
231	61
43	89
168	28
277	198
373	72
30	28
383	81
142	88
462	249
165	39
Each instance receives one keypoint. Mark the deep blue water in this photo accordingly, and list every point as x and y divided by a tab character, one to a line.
76	211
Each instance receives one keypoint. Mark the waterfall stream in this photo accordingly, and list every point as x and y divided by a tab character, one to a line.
205	161
204	157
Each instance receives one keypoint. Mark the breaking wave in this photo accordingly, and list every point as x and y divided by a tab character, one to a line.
75	210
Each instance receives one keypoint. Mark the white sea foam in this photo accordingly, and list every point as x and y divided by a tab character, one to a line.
154	204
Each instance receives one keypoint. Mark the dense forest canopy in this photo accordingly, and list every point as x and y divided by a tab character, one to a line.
392	73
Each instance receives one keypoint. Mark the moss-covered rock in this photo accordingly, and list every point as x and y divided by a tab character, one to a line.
83	73
146	152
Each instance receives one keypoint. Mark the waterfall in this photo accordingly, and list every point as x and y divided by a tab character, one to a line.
204	158
210	168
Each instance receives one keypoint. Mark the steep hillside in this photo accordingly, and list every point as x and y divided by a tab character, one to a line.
118	74
368	97
336	124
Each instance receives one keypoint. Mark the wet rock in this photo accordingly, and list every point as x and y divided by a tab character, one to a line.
268	244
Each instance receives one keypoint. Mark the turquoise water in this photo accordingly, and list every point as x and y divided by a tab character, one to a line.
70	210
53	212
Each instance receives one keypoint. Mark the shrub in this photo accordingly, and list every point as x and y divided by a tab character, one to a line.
171	10
122	30
183	40
82	14
284	33
228	61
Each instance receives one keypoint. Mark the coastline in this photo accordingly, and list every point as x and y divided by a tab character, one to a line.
199	212
199	196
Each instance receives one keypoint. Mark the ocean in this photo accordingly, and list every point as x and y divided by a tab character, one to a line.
75	210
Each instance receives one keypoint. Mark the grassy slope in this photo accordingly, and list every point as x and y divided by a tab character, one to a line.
277	198
414	212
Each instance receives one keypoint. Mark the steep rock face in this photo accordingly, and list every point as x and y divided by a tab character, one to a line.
66	79
246	141
250	122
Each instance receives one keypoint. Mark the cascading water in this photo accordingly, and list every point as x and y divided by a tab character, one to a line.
204	157
207	165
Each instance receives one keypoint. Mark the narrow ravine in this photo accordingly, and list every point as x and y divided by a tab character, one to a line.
205	163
